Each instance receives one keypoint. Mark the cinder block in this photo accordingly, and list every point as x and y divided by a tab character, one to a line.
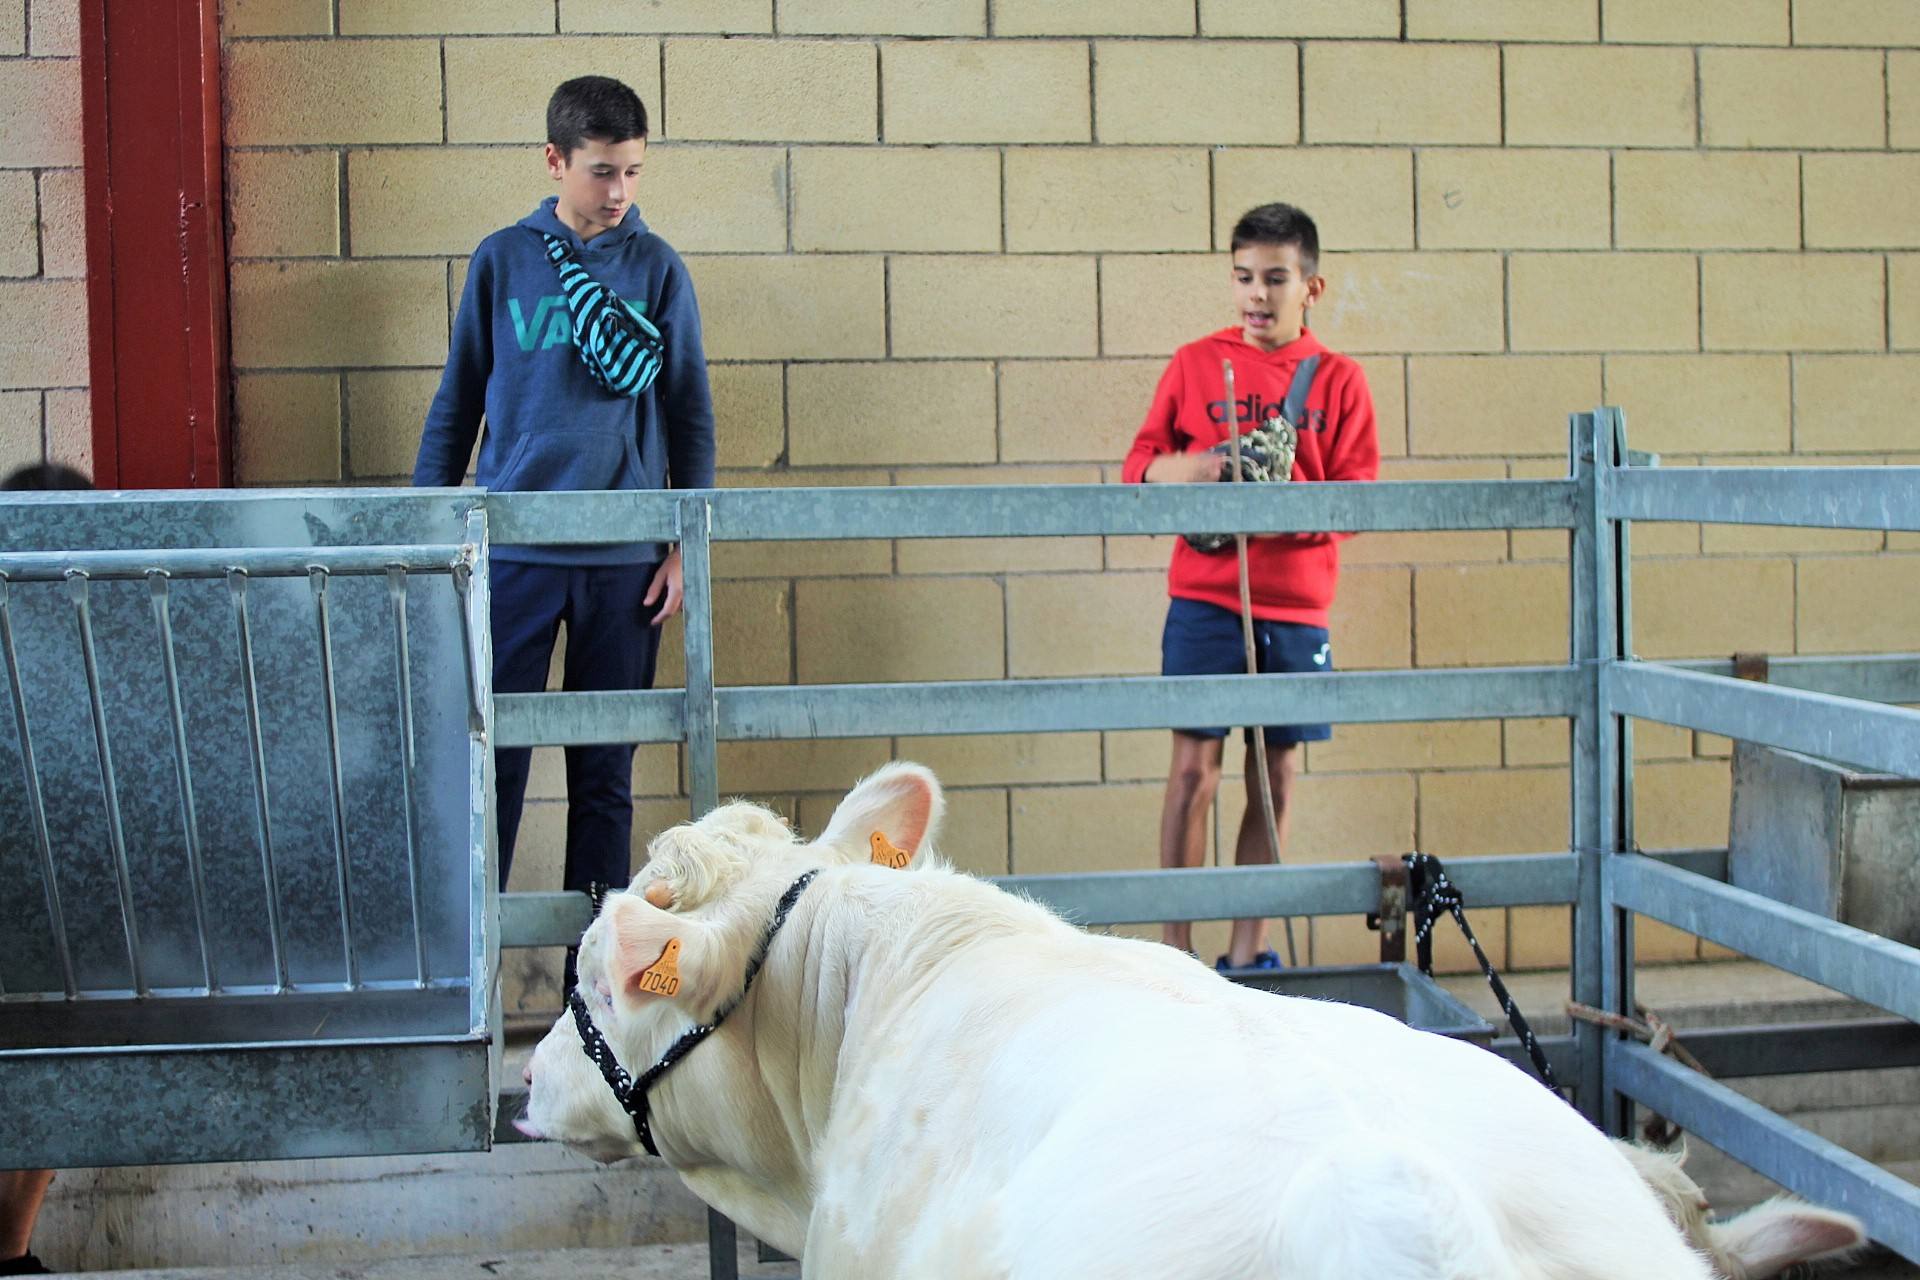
1854	404
1604	302
44	342
1855	22
1499	405
53	28
1335	818
1497	199
1084	624
998	555
240	18
1437	547
890	412
1360	197
662	16
1704	403
1073	410
497	87
752	625
286	428
1372	619
811	764
1711	608
325	314
286	204
1903	301
1093	18
940	200
749	421
1589	95
301	92
1859	604
867	630
70	429
710	199
1415	302
1712	745
806	90
882	17
417	201
19	224
1136	755
1115	827
1151	304
1538	937
983	91
1561	21
40	113
1536	741
1013	305
1702	22
1655	741
1363	19
656	771
1196	91
445	17
1682	805
1792	98
975	760
1490	615
1861	201
1903	99
21	443
1771	302
1430	93
13	30
1706	200
834	558
1477	813
1138	552
1387	383
974	838
755	307
1446	744
1065	200
386	409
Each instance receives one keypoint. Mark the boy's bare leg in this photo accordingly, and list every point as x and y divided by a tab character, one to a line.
21	1191
1192	781
1250	848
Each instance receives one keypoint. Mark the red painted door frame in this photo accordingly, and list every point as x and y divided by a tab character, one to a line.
156	243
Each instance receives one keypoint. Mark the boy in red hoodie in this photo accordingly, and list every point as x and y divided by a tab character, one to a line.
1291	577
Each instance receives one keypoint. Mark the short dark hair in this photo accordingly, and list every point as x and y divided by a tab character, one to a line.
596	107
46	476
1280	224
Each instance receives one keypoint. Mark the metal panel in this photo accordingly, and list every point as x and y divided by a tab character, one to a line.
1866	734
261	519
1862	965
1806	497
1802	1162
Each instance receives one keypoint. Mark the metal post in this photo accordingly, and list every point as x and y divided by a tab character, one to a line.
1617	984
703	713
157	580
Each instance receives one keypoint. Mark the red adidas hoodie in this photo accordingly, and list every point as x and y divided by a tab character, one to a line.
1291	576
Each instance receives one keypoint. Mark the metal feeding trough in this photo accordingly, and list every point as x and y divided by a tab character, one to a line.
245	816
1398	990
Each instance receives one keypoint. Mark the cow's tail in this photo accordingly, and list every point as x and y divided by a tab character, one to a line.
1387	1212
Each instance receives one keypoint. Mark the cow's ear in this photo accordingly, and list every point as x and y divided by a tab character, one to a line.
654	955
901	804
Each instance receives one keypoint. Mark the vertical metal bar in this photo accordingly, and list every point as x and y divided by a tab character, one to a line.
1590	579
318	579
703	715
483	871
463	589
157	581
77	585
723	1241
403	690
1620	959
36	804
263	823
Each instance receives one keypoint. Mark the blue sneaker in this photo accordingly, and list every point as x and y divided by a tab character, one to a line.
1264	960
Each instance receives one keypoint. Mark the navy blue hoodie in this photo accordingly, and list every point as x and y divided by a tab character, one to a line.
549	425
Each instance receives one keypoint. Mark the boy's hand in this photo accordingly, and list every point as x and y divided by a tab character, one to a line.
1186	468
666	578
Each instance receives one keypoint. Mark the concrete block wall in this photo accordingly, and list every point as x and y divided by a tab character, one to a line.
954	241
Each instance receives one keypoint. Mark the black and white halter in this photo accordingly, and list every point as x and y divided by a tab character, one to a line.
633	1093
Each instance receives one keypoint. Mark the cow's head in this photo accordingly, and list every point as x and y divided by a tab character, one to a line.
674	948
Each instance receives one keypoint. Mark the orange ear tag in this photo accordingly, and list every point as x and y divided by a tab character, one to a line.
662	978
885	855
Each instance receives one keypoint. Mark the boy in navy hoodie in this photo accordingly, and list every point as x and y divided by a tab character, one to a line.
555	423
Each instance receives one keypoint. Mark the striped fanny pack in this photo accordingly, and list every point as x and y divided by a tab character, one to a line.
619	346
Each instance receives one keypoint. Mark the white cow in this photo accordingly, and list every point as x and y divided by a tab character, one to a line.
930	1077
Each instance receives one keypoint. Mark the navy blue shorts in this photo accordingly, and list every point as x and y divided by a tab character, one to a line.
1204	640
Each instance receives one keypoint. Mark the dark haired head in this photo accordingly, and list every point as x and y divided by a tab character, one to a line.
44	476
1280	224
596	107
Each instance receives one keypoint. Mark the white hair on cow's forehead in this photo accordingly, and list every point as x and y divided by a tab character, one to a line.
699	860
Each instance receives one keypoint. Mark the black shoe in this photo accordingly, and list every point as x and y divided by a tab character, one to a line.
24	1265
